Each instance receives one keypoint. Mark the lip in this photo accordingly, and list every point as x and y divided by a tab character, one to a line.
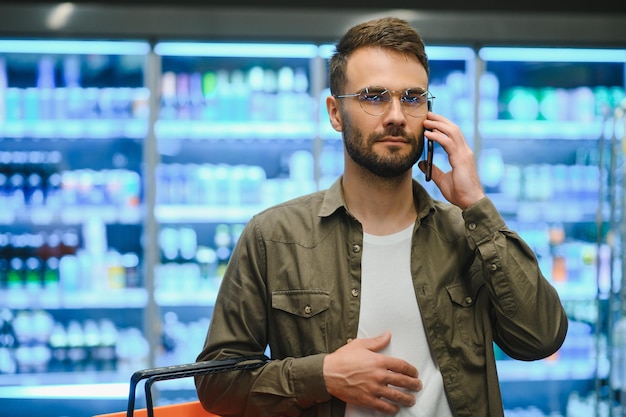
394	139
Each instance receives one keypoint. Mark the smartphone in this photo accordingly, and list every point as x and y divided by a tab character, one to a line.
429	159
430	149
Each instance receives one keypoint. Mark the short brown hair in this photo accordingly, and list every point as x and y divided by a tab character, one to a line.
388	32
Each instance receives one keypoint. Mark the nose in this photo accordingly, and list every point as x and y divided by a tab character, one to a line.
395	113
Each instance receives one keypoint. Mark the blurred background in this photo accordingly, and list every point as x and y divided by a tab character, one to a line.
137	138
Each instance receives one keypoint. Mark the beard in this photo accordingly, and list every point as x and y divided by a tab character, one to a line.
390	165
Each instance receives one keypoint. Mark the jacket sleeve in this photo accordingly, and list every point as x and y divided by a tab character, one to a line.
239	327
529	320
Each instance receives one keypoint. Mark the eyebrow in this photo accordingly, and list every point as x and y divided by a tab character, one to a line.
378	87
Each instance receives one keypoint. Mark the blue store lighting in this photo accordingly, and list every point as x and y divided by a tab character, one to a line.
74	47
552	54
326	51
239	50
450	53
71	391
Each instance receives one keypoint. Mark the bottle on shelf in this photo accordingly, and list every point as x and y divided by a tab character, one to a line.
76	347
618	355
8	343
58	348
106	352
3	88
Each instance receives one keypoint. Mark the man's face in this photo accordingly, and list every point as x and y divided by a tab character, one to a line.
391	161
387	145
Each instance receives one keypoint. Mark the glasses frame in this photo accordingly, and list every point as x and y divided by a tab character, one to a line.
400	93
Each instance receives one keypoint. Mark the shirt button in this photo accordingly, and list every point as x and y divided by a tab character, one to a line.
307	310
356	248
355	292
494	267
472	226
349	340
468	300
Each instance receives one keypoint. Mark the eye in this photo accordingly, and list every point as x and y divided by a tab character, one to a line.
374	95
414	97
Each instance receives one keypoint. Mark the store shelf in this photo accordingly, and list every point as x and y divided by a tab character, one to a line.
556	209
70	215
541	129
173	214
74	129
187	297
62	384
74	300
241	130
547	370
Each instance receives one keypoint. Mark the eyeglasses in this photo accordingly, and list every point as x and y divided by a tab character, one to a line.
376	101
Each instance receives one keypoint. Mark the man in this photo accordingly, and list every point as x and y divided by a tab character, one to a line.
373	298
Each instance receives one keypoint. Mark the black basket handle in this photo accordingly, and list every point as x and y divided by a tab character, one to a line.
153	375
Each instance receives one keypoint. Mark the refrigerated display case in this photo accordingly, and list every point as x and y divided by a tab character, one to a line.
73	120
545	117
235	134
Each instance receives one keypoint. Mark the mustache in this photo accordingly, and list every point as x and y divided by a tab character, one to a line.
393	130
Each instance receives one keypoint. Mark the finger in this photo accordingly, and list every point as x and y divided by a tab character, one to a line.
383	406
437	117
440	124
374	344
438	135
422	165
402	367
436	172
400	380
397	396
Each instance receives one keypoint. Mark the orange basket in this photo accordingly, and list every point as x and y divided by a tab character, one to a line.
188	409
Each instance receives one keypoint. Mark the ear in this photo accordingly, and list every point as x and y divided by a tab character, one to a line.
334	113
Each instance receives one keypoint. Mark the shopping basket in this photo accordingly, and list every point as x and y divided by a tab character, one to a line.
187	409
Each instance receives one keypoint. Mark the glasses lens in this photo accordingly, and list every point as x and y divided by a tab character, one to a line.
415	102
375	100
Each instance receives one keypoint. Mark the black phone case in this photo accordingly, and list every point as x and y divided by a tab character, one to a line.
430	149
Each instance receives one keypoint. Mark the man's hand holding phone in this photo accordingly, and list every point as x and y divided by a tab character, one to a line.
461	185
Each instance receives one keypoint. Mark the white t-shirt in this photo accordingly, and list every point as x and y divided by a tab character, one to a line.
388	302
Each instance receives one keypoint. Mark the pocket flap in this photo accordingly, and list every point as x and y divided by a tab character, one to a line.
461	295
303	303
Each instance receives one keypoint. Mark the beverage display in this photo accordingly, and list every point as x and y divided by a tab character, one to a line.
236	133
545	140
73	119
215	87
33	341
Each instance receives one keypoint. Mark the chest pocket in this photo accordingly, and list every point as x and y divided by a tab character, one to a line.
300	320
461	295
302	303
467	321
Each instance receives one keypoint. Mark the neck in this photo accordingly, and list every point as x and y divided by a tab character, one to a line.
382	205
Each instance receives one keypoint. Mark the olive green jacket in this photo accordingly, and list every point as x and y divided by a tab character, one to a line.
293	283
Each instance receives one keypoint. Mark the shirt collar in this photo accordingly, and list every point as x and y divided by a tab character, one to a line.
333	199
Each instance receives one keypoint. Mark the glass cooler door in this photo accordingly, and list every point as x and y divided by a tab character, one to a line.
545	126
236	133
73	120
